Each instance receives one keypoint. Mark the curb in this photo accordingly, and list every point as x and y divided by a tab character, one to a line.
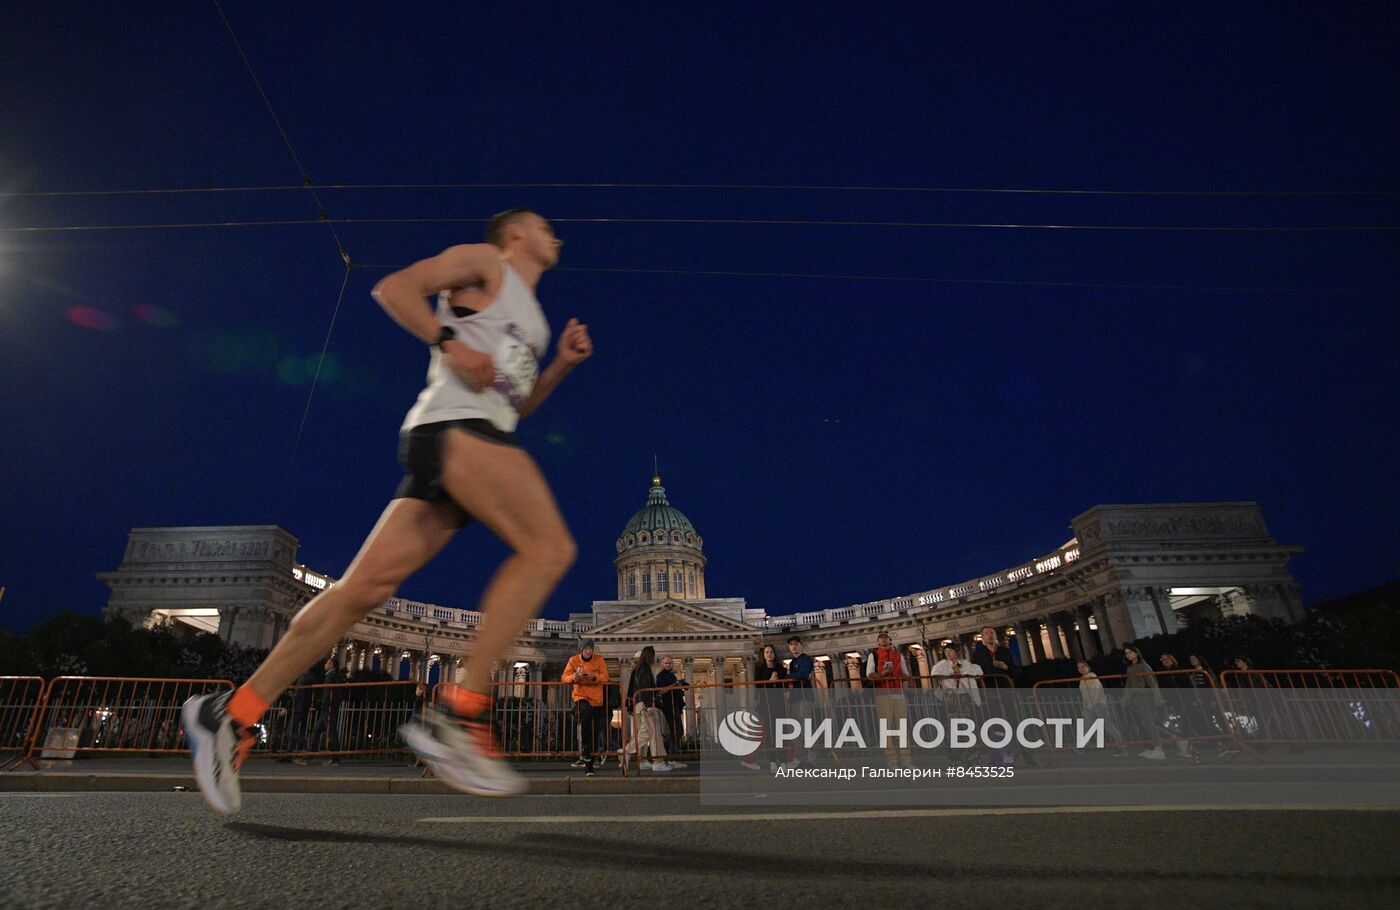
38	782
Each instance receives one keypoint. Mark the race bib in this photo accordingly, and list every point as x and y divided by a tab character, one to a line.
516	370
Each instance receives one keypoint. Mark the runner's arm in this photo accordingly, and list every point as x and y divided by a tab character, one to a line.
574	348
402	294
547	382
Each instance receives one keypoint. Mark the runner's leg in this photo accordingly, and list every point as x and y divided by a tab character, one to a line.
501	487
409	533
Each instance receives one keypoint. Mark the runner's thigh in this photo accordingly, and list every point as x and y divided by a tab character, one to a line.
408	534
502	487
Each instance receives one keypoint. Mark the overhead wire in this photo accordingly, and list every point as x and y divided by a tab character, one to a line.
323	219
758	222
794	187
923	279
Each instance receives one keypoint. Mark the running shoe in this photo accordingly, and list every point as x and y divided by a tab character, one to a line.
218	747
462	752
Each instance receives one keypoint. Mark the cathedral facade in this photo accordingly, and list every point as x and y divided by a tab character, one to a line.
1129	572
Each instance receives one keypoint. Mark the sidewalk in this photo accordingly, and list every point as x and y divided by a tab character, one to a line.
351	776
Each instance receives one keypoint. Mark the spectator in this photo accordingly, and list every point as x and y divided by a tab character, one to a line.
1000	668
328	724
887	669
768	669
996	660
299	728
589	674
672	704
1174	678
1093	702
1143	702
958	677
799	671
641	707
1203	717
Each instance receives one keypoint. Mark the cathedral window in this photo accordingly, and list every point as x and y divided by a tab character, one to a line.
661	582
646	583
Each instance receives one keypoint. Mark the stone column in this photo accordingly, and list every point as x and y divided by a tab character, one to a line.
1162	600
1086	635
1053	634
1275	601
838	670
1066	625
1142	612
1107	643
1118	619
1023	639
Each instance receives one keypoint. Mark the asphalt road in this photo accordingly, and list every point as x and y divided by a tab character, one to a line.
342	851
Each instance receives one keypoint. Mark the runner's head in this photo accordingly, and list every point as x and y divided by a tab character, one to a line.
522	232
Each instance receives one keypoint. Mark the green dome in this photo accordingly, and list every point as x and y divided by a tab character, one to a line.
658	517
658	514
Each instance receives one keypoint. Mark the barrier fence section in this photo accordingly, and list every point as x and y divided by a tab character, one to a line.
693	728
1183	709
335	720
542	720
20	697
111	714
1324	707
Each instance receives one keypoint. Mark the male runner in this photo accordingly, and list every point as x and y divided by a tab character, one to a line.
488	335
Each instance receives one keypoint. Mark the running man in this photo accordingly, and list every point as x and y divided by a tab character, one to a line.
487	336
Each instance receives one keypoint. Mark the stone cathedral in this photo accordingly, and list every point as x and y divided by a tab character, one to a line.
1128	572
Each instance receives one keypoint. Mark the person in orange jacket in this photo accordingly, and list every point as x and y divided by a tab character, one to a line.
589	674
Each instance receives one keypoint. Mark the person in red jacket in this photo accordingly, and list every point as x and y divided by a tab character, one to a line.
887	670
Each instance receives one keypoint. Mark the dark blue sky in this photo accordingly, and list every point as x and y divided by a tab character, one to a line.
834	440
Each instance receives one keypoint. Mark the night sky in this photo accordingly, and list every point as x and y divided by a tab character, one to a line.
940	412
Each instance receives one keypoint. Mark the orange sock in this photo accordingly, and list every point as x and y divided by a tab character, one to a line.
463	701
246	706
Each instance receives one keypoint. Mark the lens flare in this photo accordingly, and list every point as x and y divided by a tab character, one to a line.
92	318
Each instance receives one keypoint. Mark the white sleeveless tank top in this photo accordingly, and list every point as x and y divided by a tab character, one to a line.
514	332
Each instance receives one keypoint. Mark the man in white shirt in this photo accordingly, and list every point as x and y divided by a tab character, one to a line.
958	676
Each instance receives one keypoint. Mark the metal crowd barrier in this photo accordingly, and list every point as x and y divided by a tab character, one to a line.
1184	710
336	720
940	697
20	697
1322	707
539	720
111	714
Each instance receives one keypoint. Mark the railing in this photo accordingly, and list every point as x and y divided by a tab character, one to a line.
540	720
1183	709
336	720
1298	707
110	714
20	698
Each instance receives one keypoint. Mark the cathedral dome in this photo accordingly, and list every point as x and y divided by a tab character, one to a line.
659	555
658	523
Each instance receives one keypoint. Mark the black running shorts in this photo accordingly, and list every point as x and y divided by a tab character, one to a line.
420	452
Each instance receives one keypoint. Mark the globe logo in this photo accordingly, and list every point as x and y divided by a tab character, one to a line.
740	733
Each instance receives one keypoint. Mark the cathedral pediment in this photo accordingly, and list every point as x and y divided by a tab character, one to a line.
670	617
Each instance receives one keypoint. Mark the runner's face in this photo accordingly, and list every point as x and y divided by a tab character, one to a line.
540	241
